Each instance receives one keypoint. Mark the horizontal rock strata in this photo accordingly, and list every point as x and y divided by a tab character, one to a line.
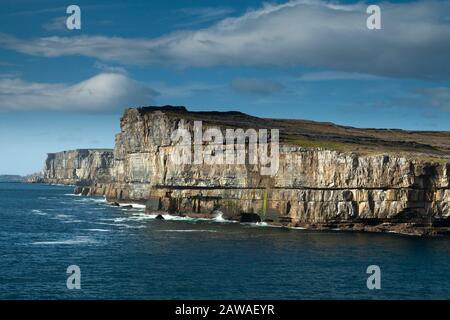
315	187
78	167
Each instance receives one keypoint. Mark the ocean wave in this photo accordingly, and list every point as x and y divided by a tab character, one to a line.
73	221
97	230
298	228
139	216
261	225
63	216
218	218
402	233
133	205
173	218
39	212
73	241
105	223
124	225
96	200
121	225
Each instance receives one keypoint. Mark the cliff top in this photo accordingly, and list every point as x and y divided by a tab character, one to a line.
326	135
83	150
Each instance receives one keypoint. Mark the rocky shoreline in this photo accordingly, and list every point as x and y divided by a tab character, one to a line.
329	177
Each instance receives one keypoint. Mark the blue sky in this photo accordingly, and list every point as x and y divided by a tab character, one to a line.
64	89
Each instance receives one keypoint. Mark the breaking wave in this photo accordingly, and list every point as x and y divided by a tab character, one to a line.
133	205
97	230
76	240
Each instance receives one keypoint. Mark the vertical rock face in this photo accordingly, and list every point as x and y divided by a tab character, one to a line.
390	184
313	186
78	167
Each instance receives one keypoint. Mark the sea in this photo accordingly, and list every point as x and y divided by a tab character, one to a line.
123	253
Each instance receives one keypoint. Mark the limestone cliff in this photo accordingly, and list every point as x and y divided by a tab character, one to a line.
328	177
78	167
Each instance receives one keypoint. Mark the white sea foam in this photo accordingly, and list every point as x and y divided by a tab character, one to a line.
261	224
72	195
298	228
101	200
96	200
72	221
38	212
175	218
124	225
133	205
63	216
121	225
139	216
97	230
219	217
402	233
256	224
76	240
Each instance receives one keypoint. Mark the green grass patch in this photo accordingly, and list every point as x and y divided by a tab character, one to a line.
326	144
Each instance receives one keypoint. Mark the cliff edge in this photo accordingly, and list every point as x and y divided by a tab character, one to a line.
328	176
78	167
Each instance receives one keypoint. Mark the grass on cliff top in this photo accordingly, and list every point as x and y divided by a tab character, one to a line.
364	150
326	144
431	159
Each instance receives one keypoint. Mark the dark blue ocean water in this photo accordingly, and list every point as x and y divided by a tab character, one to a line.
122	253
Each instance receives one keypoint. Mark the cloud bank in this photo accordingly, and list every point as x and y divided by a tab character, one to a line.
105	92
414	41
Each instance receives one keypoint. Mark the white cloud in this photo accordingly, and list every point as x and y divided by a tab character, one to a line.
414	41
110	69
105	92
9	75
201	15
56	24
